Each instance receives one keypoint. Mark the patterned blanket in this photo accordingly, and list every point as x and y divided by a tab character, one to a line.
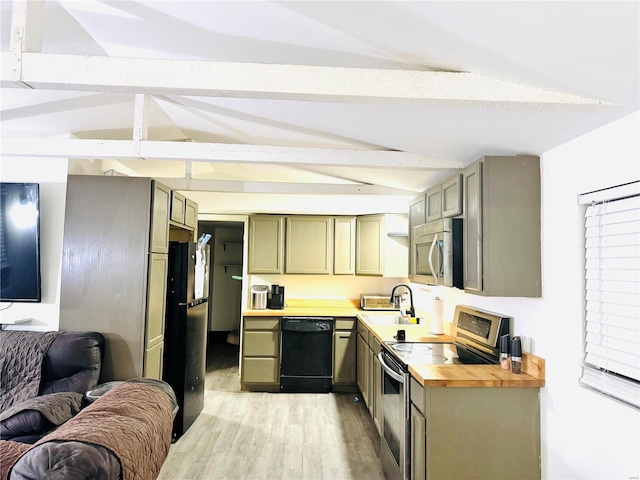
21	356
55	407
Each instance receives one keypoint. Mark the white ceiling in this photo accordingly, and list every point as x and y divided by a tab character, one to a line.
584	53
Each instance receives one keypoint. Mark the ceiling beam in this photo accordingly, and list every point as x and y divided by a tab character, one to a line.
230	186
284	82
219	152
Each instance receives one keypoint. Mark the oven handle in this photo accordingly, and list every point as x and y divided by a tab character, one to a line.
391	373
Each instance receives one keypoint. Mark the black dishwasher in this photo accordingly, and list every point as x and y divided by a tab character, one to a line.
306	357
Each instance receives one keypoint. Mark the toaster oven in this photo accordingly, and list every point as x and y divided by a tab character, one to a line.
376	302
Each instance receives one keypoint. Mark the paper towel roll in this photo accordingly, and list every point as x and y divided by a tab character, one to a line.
437	315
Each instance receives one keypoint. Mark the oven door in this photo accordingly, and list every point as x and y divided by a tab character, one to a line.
394	448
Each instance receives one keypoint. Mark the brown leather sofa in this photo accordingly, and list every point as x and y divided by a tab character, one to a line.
43	378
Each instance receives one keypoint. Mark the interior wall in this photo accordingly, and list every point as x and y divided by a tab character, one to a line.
585	435
51	174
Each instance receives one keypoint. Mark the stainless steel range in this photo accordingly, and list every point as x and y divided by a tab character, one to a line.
477	335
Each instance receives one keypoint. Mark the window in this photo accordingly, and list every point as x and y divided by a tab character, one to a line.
612	292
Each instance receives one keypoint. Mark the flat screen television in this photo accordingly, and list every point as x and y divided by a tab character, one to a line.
20	242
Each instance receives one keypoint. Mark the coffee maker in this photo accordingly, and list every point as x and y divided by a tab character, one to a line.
275	299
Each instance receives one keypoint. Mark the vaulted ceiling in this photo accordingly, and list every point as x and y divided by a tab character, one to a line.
347	105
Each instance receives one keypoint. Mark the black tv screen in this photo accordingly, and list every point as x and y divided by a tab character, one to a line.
19	242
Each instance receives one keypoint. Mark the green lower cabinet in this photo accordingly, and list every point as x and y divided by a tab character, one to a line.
418	445
260	369
344	357
362	367
480	433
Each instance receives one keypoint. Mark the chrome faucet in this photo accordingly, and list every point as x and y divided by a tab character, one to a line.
411	311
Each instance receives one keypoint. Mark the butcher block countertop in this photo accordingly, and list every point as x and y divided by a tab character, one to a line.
310	308
533	367
472	376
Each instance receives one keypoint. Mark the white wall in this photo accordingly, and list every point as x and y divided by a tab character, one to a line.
51	174
584	435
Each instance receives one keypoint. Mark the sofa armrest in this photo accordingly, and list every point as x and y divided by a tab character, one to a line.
67	461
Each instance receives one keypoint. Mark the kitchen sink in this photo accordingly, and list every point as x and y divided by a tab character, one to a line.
382	319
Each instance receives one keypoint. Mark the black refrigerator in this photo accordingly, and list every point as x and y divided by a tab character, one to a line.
186	328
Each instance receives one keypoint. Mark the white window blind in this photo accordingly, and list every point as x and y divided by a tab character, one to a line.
612	292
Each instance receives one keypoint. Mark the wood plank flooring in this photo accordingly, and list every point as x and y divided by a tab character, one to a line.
266	436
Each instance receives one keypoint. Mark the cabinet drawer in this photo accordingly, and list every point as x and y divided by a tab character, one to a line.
345	323
374	344
261	323
363	331
260	370
260	344
418	396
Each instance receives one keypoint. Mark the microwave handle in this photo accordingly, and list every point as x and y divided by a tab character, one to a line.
433	245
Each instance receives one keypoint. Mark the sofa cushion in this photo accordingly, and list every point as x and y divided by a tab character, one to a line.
21	359
73	362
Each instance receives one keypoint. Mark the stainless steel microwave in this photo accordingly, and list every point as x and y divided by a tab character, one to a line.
436	253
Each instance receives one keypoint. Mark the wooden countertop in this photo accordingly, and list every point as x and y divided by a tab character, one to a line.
311	308
471	376
533	367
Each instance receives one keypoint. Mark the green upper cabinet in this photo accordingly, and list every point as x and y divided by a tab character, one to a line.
501	234
370	232
160	204
382	245
444	199
434	203
452	196
344	246
266	244
417	216
309	245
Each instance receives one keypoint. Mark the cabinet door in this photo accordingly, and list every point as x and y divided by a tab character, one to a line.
153	361
344	247
309	245
160	204
344	357
418	445
417	216
266	244
452	196
191	214
377	392
417	212
178	204
370	253
434	203
472	231
156	298
362	367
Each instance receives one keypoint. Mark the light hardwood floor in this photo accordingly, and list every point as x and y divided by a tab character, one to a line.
265	436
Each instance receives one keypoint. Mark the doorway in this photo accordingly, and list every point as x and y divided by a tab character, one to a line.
225	286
